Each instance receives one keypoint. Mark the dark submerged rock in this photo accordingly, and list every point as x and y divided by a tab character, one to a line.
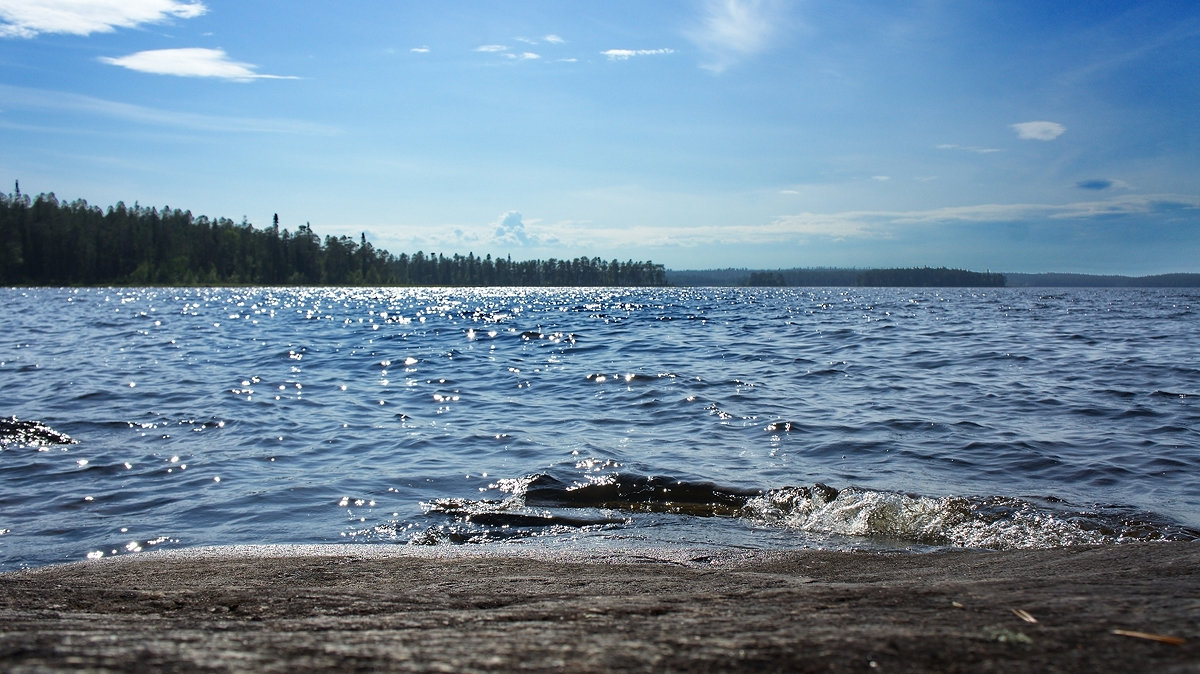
32	433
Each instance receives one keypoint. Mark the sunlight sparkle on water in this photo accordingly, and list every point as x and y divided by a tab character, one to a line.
939	400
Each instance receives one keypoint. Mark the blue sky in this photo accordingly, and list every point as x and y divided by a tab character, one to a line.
1047	136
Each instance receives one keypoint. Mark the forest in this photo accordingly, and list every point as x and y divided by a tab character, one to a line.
44	241
927	277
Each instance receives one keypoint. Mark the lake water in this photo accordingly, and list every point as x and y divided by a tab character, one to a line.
707	418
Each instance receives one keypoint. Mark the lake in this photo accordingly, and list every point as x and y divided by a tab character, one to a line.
710	418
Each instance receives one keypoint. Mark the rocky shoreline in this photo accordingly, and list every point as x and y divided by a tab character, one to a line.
1129	607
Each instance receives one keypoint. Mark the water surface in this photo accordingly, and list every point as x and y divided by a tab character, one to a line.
759	418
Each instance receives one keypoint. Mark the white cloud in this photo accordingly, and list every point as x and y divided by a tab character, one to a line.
730	30
882	179
491	48
189	62
523	56
1039	130
510	230
420	50
626	54
554	39
28	18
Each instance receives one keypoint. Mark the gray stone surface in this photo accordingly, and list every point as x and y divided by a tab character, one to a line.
355	609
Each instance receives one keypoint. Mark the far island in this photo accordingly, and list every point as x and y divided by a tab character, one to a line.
915	277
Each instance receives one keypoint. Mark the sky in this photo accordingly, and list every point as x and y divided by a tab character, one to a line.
1003	136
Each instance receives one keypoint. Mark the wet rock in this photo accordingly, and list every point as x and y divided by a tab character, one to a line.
30	433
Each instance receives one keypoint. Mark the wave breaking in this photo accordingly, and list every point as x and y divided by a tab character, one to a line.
543	503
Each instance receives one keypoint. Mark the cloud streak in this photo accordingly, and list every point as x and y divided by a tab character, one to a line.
968	148
29	18
877	224
882	225
190	62
38	99
626	54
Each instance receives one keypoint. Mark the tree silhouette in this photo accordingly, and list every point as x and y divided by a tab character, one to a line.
48	242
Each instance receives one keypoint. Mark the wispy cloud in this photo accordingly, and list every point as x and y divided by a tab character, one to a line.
885	224
503	49
39	99
190	62
1039	130
419	50
1129	205
550	39
730	30
626	54
28	18
968	148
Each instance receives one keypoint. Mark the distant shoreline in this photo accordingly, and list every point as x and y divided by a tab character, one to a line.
734	278
841	277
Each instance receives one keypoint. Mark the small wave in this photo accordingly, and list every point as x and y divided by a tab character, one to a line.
506	514
551	337
483	521
997	523
894	518
946	521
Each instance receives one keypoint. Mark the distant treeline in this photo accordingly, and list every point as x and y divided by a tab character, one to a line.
849	278
47	242
1057	280
918	277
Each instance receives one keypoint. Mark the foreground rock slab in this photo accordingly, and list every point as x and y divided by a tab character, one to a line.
1118	608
